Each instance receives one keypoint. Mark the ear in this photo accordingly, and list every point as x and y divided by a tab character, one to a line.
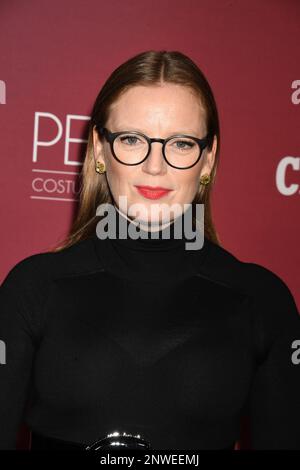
98	147
209	158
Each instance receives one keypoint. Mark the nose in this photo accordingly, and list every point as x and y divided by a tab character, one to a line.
155	162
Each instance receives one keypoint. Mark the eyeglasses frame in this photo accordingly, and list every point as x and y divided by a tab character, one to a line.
111	136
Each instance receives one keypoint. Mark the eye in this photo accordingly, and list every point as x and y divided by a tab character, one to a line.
183	144
129	139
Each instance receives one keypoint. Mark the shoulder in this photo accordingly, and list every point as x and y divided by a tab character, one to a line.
266	282
272	308
270	299
28	285
273	303
46	266
252	278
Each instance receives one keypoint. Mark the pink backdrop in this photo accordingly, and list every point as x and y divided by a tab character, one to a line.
56	55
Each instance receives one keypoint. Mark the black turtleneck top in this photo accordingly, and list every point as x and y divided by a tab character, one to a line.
146	336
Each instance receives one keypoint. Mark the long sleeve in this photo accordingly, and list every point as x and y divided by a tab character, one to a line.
20	295
274	402
80	364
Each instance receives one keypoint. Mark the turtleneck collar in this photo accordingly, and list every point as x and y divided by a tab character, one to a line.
153	256
166	238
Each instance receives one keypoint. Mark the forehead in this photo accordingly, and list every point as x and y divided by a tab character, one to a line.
168	108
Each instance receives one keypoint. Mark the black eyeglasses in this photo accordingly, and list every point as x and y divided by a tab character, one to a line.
132	148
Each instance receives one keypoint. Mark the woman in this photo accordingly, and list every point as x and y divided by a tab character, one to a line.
140	333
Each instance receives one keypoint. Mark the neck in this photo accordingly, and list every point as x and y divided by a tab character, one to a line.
136	255
173	234
145	226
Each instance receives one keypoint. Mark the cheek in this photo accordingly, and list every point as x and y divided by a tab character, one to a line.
187	181
119	177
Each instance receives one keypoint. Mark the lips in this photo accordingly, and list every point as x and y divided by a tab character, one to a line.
152	192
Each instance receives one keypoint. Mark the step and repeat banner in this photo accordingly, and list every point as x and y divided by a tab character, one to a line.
55	56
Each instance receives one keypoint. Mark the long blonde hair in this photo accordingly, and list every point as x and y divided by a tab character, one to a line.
146	68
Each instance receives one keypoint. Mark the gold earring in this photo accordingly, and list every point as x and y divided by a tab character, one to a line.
205	179
100	167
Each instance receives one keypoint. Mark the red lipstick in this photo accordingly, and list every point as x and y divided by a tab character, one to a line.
153	192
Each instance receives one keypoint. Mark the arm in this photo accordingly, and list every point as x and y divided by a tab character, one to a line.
18	298
274	400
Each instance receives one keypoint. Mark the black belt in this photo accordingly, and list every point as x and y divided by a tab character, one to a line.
40	442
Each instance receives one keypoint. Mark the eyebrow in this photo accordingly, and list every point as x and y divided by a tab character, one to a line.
136	129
